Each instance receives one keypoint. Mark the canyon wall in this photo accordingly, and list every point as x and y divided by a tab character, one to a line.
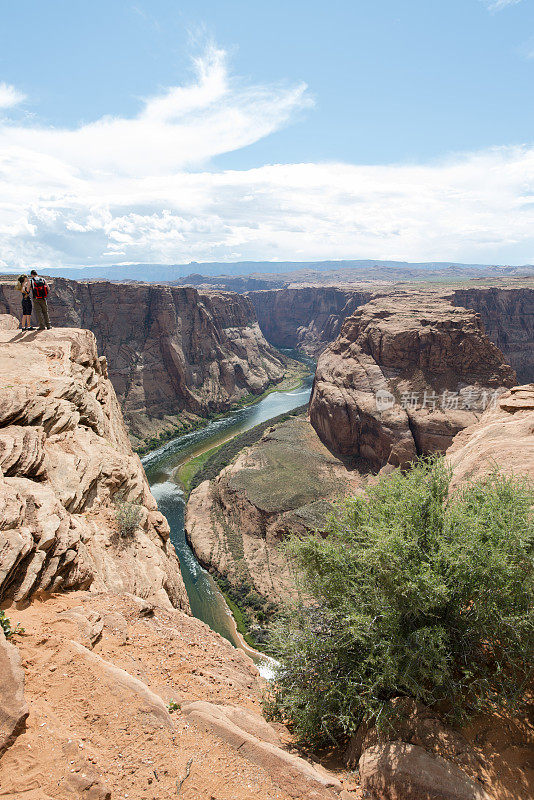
169	349
284	483
65	464
309	318
306	318
508	317
406	374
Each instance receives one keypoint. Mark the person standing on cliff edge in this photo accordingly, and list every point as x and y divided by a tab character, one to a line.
40	293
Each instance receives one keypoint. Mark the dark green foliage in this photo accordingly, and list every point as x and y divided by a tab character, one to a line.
228	451
411	594
251	611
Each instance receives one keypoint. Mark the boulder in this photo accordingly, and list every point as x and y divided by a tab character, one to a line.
13	709
400	771
247	733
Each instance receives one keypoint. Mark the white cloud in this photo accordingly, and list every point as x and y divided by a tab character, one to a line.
144	189
9	96
498	5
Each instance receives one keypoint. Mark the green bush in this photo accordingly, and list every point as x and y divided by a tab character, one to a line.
9	630
411	594
128	516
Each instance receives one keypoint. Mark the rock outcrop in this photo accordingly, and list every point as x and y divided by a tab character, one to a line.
306	318
405	375
101	724
508	318
502	439
65	462
171	351
284	483
13	708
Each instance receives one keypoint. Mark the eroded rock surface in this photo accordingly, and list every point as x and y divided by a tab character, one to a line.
405	375
65	460
13	709
170	350
400	771
502	439
99	724
508	318
284	483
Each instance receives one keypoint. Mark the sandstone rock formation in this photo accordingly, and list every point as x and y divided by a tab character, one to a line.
170	350
306	318
400	771
503	438
13	709
281	484
419	756
251	736
99	724
405	375
65	460
508	318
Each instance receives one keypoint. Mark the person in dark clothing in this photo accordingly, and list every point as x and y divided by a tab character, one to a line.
40	293
23	285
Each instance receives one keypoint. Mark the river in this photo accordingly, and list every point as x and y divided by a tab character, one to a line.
207	603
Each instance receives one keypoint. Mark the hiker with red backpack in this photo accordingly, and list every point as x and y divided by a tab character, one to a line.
40	293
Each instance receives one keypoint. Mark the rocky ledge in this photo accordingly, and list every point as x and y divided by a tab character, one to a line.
405	375
502	439
65	463
174	353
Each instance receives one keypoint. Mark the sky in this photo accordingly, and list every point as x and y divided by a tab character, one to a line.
173	131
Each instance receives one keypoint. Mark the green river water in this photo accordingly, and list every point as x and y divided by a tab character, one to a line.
207	603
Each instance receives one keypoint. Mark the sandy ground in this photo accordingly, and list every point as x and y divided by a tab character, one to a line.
85	729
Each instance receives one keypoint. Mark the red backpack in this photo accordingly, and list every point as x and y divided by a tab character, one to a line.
40	288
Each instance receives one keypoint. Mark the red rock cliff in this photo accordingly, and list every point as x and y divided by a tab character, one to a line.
169	349
65	460
404	376
307	318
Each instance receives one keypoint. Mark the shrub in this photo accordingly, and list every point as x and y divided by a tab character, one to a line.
5	624
412	594
128	516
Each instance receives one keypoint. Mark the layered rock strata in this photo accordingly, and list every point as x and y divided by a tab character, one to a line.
306	318
508	318
170	350
284	483
406	374
65	463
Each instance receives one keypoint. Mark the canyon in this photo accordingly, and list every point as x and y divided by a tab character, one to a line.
108	686
405	375
139	696
175	355
310	317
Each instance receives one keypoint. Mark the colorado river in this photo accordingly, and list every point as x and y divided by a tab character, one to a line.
207	603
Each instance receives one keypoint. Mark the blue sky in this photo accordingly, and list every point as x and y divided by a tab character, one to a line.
228	130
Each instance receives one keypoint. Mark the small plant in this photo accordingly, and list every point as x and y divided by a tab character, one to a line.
5	624
173	706
128	516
